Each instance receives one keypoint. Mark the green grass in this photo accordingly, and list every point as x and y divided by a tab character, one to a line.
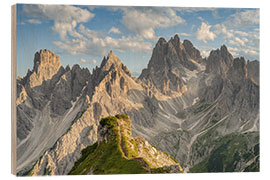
118	155
214	121
254	167
122	116
110	122
107	157
227	152
129	152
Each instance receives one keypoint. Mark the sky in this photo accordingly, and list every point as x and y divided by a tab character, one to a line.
85	34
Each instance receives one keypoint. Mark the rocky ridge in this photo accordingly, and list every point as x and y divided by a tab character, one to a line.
122	154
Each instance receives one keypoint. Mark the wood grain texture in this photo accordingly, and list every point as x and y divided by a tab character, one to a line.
13	88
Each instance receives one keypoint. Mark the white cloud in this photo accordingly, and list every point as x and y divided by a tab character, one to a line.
234	51
83	60
204	33
34	21
63	28
59	13
193	9
93	61
65	17
88	32
251	51
200	18
238	42
220	28
205	53
143	21
184	34
244	18
241	33
100	45
245	43
76	39
114	30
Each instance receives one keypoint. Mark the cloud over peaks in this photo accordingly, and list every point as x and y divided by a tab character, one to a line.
144	20
65	17
204	33
114	30
244	18
93	61
34	21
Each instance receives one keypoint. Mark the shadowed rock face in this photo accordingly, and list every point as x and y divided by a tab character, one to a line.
253	68
168	65
192	51
219	61
179	103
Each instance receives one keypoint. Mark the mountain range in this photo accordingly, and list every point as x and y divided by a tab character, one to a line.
204	112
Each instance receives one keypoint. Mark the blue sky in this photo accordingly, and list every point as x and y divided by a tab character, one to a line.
85	34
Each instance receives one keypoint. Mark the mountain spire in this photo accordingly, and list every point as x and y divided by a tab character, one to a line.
110	60
46	65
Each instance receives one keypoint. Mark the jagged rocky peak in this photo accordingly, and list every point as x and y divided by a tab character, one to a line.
162	50
111	63
238	71
46	65
228	58
111	59
239	63
161	41
219	61
168	64
192	51
46	58
222	51
175	41
253	68
112	74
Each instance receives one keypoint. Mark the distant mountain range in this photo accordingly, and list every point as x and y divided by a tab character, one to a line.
204	112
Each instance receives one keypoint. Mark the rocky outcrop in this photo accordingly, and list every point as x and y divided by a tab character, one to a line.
192	51
132	154
46	65
219	61
168	65
253	68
